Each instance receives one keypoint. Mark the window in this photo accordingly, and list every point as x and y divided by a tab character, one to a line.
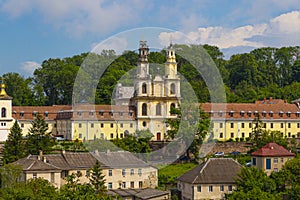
121	113
91	113
140	184
111	135
265	125
254	161
109	185
46	114
139	172
79	113
144	124
275	169
268	163
34	175
52	177
230	188
22	125
221	125
121	125
199	188
110	172
282	160
222	188
220	113
289	125
231	113
80	135
102	135
250	125
172	91
158	109
3	112
231	125
144	109
172	106
298	125
243	125
130	113
101	125
232	135
289	134
121	135
92	125
111	113
271	125
275	160
131	125
22	114
243	135
132	184
210	188
101	113
111	125
123	172
281	125
34	113
79	125
144	88
131	172
3	123
87	173
123	184
221	135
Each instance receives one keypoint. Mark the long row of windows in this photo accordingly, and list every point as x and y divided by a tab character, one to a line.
289	125
211	188
121	125
255	114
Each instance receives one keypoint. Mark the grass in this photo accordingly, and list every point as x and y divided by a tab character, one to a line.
167	175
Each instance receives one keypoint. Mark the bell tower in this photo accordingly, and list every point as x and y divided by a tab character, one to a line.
6	120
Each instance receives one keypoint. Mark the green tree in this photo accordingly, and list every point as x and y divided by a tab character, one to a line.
14	147
10	175
97	179
39	138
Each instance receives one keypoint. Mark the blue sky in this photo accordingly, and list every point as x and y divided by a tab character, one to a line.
35	30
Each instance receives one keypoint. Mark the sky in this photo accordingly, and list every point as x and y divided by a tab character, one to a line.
35	30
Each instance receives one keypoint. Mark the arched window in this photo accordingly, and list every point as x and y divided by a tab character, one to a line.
144	88
172	106
158	109
172	91
3	112
144	109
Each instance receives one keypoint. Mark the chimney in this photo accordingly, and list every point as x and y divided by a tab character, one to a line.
96	152
265	99
40	156
271	99
45	159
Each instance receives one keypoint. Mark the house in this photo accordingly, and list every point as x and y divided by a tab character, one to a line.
121	169
211	179
271	157
140	194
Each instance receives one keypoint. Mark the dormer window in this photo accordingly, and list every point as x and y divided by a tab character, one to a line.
256	113
288	113
264	113
249	113
231	113
211	113
281	113
111	113
91	113
101	113
46	113
34	113
120	113
22	114
271	113
79	113
297	114
220	113
242	113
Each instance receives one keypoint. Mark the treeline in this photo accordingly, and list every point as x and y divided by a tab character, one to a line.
264	72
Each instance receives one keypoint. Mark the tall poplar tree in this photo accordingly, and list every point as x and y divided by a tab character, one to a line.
97	179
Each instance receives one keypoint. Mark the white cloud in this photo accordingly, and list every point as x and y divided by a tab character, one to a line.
78	17
29	67
283	30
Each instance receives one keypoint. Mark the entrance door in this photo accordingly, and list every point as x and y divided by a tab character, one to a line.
158	136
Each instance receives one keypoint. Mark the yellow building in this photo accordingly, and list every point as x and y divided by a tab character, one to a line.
237	120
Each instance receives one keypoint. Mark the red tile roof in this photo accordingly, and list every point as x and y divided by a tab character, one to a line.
272	150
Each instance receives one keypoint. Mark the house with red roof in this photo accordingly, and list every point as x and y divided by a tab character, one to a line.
271	157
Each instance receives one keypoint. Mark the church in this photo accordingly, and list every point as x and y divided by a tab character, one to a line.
146	105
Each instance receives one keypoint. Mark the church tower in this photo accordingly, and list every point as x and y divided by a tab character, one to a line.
6	120
154	97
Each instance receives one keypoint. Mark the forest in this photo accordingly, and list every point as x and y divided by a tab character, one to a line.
262	73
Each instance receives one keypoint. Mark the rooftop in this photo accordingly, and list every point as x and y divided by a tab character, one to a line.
272	150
